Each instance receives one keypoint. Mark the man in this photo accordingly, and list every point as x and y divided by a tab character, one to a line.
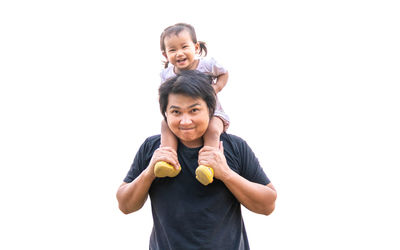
187	214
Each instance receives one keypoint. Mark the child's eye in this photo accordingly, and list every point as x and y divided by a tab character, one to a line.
171	50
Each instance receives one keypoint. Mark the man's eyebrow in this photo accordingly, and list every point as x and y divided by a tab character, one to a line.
174	107
177	107
193	105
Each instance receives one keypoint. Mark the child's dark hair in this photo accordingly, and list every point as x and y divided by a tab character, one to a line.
175	30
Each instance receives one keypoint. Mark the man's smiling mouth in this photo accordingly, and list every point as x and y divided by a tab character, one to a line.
186	128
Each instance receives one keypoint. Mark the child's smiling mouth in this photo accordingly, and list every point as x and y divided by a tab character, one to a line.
181	60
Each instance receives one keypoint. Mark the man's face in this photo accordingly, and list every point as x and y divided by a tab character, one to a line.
187	118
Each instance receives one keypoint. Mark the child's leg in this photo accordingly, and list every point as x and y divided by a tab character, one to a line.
168	139
213	132
204	174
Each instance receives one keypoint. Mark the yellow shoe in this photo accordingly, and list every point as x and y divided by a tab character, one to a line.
204	174
164	169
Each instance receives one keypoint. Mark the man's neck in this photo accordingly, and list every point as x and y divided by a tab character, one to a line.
193	144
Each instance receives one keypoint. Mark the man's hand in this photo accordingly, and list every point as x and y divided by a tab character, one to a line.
132	196
215	158
166	154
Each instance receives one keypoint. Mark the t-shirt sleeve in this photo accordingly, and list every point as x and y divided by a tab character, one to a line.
167	73
250	166
212	67
140	162
162	76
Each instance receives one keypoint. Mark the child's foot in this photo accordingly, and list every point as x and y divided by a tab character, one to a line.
204	174
164	169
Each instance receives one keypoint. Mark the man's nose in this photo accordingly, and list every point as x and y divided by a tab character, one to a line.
186	120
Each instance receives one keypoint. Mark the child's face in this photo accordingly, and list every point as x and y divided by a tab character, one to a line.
181	51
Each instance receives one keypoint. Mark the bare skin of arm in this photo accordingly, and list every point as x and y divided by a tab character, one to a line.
221	82
255	197
132	196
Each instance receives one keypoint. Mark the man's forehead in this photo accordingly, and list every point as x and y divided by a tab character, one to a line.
183	101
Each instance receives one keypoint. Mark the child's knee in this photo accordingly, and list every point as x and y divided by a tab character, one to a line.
215	128
216	125
213	132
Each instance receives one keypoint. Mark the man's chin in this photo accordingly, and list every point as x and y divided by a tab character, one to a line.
187	138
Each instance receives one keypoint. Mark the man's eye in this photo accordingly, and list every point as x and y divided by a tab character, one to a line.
195	110
175	112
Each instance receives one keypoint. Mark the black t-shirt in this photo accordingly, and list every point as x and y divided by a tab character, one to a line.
188	215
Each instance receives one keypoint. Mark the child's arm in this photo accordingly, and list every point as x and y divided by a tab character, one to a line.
221	82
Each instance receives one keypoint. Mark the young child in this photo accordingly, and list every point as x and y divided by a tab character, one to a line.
180	47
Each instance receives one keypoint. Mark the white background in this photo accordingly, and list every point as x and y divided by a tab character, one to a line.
313	89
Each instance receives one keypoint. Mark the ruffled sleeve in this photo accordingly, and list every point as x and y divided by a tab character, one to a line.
211	66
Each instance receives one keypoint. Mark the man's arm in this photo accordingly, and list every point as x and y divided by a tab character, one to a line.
255	197
132	196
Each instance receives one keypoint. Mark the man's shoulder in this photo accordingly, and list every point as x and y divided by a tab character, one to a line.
233	143
151	143
153	139
232	138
